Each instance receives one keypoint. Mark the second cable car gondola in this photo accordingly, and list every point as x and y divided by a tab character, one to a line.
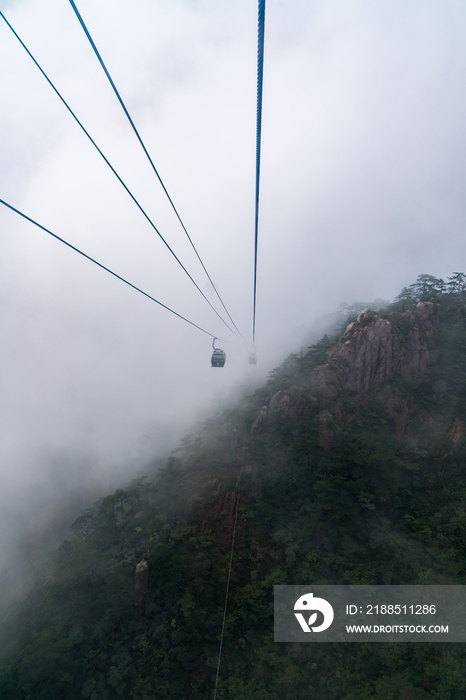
218	356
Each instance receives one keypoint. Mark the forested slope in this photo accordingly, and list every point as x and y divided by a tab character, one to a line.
352	468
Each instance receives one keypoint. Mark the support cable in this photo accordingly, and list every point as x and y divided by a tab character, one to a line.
260	73
260	68
62	240
113	169
238	491
104	67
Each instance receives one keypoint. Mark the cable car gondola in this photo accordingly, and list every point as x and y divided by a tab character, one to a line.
218	356
252	359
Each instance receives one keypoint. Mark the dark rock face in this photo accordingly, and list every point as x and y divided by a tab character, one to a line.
371	352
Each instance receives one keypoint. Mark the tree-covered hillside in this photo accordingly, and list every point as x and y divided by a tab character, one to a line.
343	488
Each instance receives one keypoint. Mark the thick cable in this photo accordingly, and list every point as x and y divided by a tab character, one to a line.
238	491
260	75
113	169
62	240
104	67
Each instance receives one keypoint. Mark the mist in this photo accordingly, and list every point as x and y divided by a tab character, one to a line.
362	181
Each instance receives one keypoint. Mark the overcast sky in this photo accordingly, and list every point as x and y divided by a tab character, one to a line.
362	190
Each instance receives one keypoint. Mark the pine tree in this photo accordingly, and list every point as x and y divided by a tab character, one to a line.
457	283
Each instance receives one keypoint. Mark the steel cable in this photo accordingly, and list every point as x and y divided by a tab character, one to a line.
112	168
260	75
260	69
62	240
230	566
141	142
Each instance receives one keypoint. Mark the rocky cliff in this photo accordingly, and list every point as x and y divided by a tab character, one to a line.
366	361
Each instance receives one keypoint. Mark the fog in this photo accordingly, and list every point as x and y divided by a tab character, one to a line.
363	174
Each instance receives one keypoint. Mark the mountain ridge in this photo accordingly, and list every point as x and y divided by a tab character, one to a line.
340	484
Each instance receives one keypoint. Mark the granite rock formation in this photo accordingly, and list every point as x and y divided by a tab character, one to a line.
371	353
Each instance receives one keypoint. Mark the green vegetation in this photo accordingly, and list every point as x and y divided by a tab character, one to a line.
364	512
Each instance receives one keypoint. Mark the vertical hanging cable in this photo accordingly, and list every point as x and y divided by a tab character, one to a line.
260	72
235	522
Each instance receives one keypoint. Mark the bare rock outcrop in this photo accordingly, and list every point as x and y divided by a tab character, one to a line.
259	424
371	352
289	403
